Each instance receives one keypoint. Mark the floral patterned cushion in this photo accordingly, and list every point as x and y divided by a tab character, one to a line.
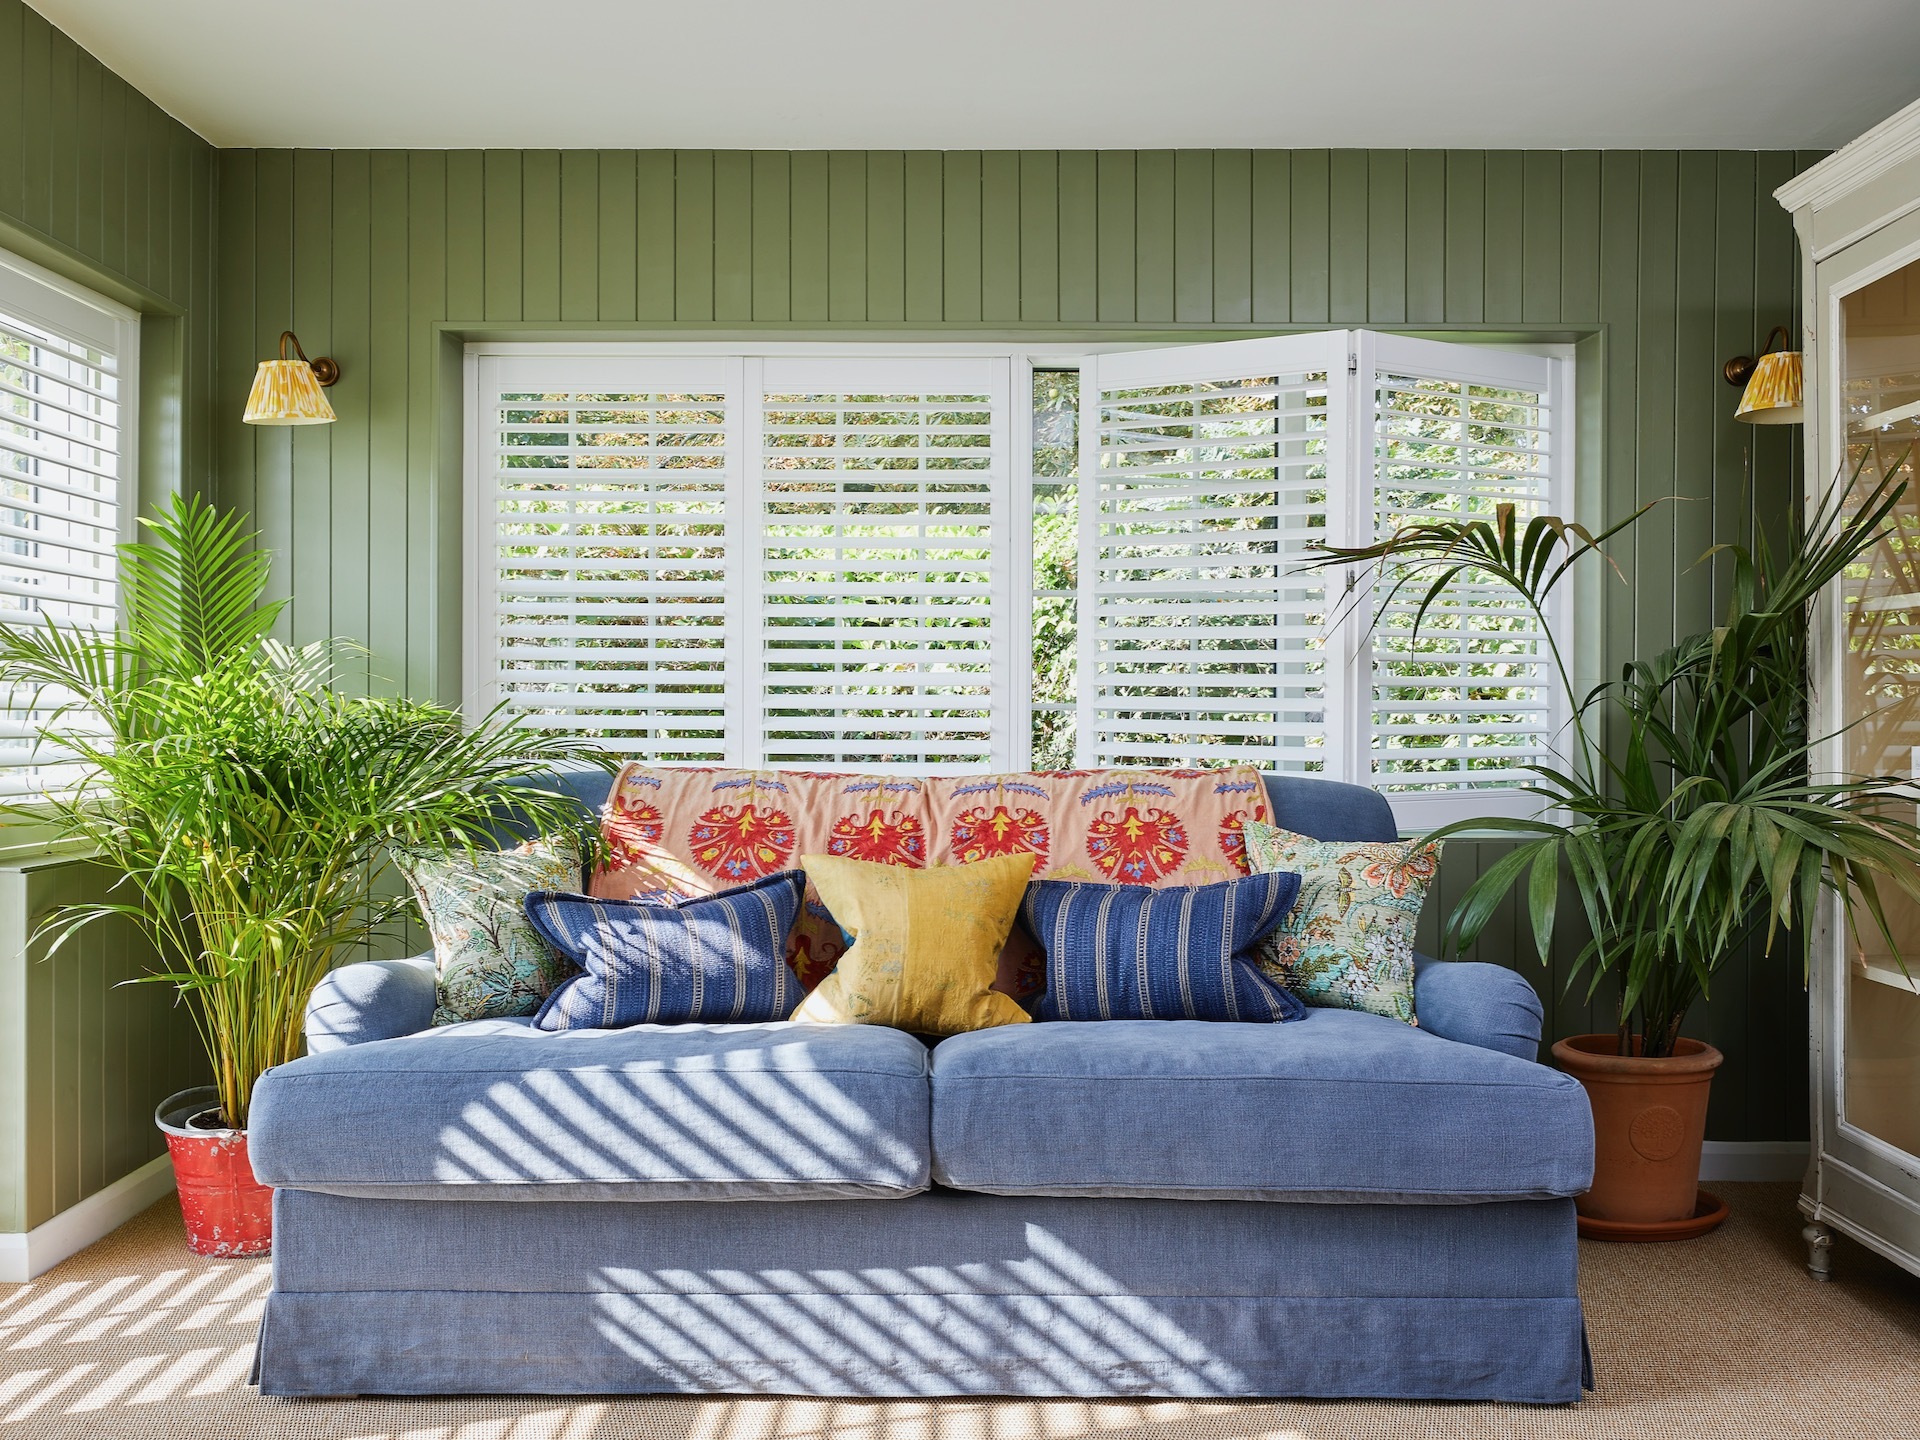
677	832
1347	944
491	963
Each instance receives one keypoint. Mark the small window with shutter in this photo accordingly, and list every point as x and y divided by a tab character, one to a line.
67	381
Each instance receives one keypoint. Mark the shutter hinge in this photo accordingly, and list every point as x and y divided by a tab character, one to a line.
1353	362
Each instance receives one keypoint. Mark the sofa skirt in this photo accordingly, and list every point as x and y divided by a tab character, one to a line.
947	1293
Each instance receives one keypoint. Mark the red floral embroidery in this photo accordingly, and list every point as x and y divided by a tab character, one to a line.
812	953
739	843
632	828
1417	867
1233	838
980	834
1137	849
885	837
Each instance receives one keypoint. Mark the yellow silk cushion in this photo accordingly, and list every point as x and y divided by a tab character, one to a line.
926	943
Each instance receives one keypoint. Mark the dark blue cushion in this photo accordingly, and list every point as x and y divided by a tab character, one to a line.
718	959
1123	952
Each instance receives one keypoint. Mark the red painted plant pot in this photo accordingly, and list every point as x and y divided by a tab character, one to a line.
228	1212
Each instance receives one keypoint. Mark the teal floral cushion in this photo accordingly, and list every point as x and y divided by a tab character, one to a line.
1347	944
492	962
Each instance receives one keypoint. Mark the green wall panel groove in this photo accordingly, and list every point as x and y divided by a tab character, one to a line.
380	258
97	184
1678	258
87	1055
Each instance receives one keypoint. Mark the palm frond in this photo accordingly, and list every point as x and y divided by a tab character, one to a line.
249	807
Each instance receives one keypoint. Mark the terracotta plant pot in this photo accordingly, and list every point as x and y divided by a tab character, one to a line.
228	1212
1649	1119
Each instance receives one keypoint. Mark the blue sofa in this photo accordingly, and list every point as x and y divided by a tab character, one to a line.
1342	1206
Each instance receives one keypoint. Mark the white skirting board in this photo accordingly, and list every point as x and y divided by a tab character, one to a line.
22	1257
1753	1160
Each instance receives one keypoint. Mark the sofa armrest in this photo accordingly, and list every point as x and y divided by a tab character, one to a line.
370	1000
1478	1004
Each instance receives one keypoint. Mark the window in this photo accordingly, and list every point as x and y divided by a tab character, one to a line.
810	557
1218	468
659	539
67	367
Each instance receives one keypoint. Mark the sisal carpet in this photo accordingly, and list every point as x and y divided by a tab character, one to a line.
1720	1337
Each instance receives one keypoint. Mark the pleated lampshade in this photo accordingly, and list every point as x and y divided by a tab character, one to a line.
1774	396
286	392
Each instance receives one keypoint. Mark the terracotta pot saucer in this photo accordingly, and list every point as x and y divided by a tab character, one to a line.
1708	1211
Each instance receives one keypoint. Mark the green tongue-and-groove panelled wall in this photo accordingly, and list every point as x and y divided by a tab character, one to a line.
1660	264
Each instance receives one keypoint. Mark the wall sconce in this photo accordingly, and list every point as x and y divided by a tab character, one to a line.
1774	394
288	392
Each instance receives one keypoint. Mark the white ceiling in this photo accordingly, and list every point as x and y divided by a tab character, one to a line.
805	74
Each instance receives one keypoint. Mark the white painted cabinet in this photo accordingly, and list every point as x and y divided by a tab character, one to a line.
1858	218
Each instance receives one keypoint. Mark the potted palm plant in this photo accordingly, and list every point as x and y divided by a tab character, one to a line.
251	808
1697	825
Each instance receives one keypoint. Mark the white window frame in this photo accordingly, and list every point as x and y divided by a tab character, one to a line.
48	301
1347	648
37	294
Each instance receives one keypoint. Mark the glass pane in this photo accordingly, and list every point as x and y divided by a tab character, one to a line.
1881	696
1056	564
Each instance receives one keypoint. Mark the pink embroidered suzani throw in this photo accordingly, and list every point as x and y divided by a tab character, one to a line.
677	832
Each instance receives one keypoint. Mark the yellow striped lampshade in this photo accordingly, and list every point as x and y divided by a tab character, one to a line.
1773	395
286	392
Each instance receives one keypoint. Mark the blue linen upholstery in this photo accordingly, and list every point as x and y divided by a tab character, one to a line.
713	958
1122	952
1478	1004
499	1111
371	1000
398	1285
1339	1106
587	784
1330	809
945	1294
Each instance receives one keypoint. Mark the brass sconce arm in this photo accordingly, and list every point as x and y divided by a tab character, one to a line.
1739	370
325	370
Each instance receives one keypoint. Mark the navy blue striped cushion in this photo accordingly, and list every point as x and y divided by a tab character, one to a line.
718	958
1124	952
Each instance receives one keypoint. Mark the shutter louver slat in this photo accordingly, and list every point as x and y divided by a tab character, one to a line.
883	534
1468	702
61	459
609	551
1204	648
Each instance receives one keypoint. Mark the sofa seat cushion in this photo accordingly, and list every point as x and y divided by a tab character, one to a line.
498	1110
1338	1106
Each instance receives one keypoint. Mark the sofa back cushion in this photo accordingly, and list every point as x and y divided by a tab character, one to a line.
716	959
491	962
1125	952
676	832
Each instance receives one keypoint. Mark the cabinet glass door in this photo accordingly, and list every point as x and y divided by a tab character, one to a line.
1880	699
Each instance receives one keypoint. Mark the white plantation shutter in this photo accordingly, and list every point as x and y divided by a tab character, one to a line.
605	539
812	558
67	376
885	561
1216	468
746	560
1209	467
1472	699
